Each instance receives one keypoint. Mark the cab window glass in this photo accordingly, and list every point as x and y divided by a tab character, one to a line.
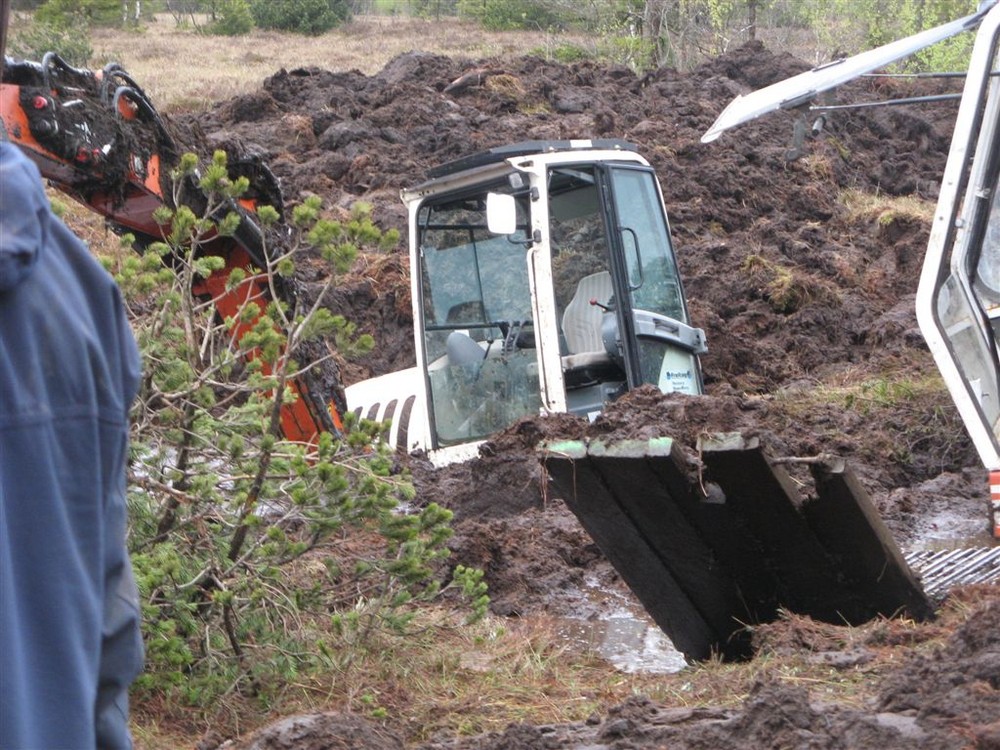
649	257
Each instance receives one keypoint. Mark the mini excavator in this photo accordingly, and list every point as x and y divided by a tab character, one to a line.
543	274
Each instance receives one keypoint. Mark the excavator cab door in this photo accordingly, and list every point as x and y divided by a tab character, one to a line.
622	316
958	301
664	346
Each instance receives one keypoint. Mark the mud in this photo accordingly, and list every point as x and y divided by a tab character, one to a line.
799	293
739	209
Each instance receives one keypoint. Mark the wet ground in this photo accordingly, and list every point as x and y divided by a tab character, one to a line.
807	302
941	698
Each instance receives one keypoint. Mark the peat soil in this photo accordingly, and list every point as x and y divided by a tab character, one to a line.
805	292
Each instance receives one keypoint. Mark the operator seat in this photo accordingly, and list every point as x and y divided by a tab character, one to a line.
581	322
464	352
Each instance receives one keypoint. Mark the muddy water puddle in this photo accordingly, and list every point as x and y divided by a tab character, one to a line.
947	529
622	634
632	644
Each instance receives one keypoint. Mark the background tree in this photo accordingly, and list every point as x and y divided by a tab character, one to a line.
231	18
505	15
301	16
844	27
32	39
66	13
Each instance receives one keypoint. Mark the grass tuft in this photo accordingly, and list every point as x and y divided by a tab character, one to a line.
886	209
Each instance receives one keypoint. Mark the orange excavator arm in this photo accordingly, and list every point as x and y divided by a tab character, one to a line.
96	137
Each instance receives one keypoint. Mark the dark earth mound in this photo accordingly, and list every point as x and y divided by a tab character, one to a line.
805	292
742	214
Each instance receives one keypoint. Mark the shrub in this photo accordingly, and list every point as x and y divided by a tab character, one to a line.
569	53
258	558
32	41
849	26
503	15
232	18
434	8
301	16
71	13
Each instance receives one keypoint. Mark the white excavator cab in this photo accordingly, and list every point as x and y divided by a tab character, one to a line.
543	280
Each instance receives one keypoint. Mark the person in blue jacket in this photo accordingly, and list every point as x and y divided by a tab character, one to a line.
69	368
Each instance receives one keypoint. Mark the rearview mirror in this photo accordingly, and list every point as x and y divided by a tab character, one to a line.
501	213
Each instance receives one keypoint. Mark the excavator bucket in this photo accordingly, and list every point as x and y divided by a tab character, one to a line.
707	564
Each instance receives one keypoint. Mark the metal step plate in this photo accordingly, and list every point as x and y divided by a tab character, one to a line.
941	570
